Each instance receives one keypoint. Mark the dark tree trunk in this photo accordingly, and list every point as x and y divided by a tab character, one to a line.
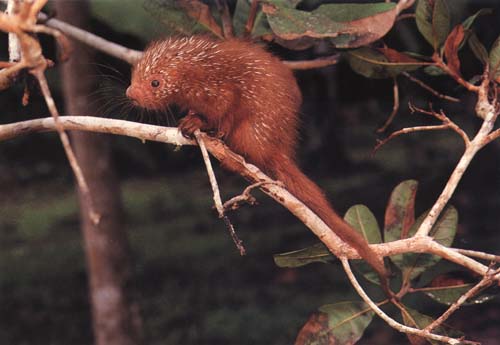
116	319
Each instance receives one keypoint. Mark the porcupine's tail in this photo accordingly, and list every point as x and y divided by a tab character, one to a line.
297	183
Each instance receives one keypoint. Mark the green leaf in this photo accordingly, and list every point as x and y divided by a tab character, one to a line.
400	211
443	232
348	320
470	20
468	23
182	16
433	21
450	294
478	48
289	23
346	25
494	60
362	219
340	323
371	63
352	12
302	257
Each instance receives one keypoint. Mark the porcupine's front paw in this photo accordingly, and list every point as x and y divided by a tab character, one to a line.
189	124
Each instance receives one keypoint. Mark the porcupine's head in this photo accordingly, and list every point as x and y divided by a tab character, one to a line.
156	76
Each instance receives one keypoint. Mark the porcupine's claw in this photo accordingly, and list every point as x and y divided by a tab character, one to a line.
189	124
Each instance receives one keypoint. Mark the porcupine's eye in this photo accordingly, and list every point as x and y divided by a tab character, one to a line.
155	83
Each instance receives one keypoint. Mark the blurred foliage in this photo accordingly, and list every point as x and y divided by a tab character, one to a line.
120	19
192	285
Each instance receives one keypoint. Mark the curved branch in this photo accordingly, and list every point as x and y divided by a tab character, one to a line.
390	321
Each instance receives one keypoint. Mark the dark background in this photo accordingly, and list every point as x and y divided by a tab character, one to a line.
191	284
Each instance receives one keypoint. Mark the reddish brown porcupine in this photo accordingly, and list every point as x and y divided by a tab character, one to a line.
250	99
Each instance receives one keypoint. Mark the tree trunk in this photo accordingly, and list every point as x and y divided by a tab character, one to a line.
116	319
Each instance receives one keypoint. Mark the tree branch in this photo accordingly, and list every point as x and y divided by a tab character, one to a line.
215	189
275	190
428	88
395	106
251	18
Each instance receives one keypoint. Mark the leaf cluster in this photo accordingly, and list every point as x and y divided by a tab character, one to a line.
350	318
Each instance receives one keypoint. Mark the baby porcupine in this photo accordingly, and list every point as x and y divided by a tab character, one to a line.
251	99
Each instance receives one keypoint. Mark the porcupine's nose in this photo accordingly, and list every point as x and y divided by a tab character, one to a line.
133	94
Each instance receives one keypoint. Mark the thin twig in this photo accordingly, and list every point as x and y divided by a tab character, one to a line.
14	44
244	197
315	63
486	281
485	110
407	130
395	106
80	179
442	65
477	254
215	188
390	321
430	89
405	16
441	116
227	25
211	174
251	18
